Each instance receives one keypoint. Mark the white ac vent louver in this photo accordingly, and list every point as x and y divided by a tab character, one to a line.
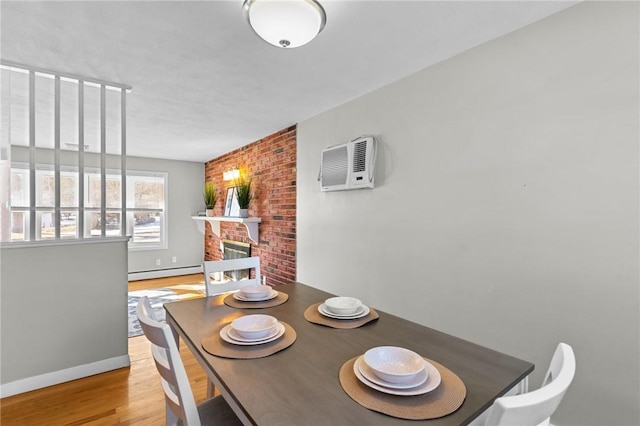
348	166
360	156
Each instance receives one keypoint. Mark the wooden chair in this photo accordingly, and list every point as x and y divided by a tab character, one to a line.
181	407
536	407
222	266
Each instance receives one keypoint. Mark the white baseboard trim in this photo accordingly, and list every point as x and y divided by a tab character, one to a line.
161	273
61	376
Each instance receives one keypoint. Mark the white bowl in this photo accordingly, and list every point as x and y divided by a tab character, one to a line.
256	291
393	364
343	305
256	326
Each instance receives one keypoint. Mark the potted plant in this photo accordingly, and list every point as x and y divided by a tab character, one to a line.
243	192
210	197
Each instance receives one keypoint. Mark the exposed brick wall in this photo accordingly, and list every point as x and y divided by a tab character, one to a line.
271	163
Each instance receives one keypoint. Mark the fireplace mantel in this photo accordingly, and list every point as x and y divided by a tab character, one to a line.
251	223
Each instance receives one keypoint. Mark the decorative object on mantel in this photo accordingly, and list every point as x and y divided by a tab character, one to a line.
210	197
231	208
243	194
286	24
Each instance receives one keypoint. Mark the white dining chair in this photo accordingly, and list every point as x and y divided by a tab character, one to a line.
180	405
219	267
536	407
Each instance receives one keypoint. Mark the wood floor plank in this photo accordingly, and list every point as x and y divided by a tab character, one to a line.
127	396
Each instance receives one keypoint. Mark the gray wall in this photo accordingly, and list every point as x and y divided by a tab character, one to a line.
62	306
185	242
506	206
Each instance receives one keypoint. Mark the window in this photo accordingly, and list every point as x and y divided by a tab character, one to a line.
145	206
93	201
146	210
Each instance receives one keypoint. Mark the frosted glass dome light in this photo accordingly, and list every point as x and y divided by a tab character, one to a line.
285	23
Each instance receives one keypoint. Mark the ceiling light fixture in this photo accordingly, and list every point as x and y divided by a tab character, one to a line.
285	23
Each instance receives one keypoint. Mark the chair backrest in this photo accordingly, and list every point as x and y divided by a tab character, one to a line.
536	407
212	266
180	403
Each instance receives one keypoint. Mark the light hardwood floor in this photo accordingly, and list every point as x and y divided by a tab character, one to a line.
128	396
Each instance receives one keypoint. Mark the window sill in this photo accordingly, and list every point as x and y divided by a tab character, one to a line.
74	241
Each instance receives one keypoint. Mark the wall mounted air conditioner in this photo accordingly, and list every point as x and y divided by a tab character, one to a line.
348	166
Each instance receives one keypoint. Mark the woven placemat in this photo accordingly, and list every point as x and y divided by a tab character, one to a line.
235	303
445	399
311	314
214	344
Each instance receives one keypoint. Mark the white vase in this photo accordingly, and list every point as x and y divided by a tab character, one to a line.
244	213
210	212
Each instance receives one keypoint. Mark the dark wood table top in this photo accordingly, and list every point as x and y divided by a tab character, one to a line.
300	385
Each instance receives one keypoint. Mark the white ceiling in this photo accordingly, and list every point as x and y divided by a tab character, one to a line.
205	84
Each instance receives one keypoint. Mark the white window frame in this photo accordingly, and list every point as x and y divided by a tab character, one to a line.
129	208
164	238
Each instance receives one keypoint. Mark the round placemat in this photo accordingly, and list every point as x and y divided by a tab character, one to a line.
311	314
445	399
235	303
214	344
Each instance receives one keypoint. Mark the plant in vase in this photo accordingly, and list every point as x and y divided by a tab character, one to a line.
210	197
243	192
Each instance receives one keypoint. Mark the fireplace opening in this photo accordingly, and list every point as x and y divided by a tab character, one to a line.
236	250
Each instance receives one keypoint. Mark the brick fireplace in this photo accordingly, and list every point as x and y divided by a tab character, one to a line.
271	163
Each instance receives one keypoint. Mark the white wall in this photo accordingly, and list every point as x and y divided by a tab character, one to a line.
506	206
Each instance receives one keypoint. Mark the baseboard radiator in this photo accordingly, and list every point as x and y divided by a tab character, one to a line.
161	273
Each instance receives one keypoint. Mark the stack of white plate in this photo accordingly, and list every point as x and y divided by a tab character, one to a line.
396	371
343	308
252	330
255	293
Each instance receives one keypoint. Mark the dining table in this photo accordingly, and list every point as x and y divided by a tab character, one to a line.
304	383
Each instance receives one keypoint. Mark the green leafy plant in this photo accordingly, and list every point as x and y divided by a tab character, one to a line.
243	190
210	195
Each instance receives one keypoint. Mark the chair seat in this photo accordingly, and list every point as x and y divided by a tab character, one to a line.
216	412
